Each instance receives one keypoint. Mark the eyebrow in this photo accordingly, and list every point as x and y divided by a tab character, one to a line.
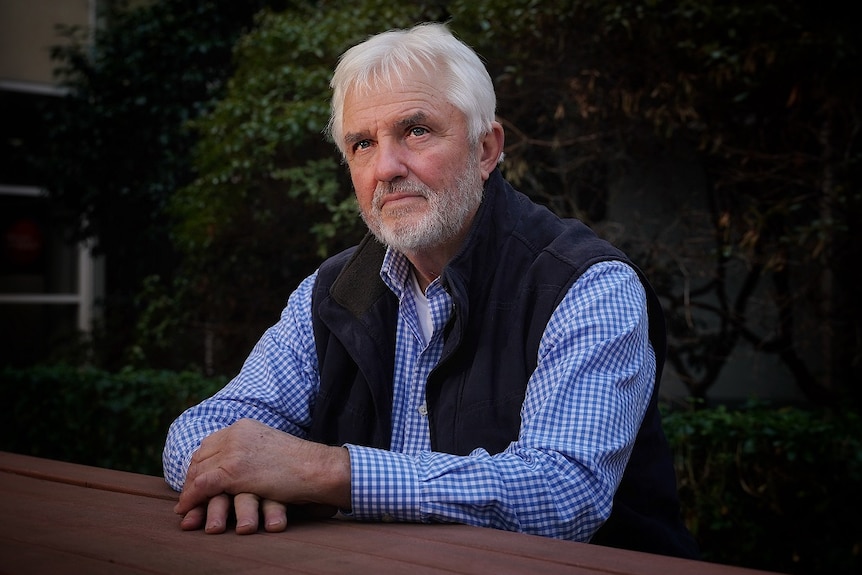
412	120
352	138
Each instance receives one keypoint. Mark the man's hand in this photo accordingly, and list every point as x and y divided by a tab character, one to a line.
258	470
248	508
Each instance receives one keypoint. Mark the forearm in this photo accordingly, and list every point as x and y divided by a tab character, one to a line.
184	437
275	386
530	491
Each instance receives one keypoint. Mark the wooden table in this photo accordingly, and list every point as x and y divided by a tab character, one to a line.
66	518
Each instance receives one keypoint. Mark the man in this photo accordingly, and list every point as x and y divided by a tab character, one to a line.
475	359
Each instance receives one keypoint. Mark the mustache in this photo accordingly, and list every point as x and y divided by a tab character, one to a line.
384	189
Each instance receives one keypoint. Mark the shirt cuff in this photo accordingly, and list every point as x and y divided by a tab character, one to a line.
384	485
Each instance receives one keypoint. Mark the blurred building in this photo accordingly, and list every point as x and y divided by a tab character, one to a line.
49	288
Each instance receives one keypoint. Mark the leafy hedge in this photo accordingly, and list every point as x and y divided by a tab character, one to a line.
117	420
772	488
764	487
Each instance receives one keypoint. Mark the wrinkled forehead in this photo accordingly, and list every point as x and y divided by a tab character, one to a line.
385	99
396	106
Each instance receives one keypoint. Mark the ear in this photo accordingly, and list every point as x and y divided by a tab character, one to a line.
491	149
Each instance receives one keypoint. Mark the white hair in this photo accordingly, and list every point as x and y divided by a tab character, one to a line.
431	48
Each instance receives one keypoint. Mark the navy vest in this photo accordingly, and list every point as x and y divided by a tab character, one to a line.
517	263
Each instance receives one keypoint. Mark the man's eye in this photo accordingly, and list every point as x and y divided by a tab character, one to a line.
418	131
361	145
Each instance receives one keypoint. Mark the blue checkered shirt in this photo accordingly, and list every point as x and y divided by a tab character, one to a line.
579	419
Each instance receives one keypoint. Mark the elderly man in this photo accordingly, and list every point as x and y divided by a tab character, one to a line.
475	359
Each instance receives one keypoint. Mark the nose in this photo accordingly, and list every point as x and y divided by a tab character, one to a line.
389	162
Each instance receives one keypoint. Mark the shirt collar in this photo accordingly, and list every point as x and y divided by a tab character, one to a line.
395	272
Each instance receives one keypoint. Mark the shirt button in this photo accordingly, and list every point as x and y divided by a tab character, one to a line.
423	410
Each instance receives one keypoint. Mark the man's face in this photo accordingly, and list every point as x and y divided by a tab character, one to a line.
416	176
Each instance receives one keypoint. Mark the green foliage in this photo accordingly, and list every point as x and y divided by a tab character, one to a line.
119	143
117	420
771	488
123	133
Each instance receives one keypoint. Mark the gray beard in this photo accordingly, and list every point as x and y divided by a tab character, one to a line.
445	220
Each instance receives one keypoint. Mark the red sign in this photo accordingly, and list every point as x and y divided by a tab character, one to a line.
23	242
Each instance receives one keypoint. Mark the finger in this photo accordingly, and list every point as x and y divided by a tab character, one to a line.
200	489
274	516
194	519
247	508
211	444
206	450
217	512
